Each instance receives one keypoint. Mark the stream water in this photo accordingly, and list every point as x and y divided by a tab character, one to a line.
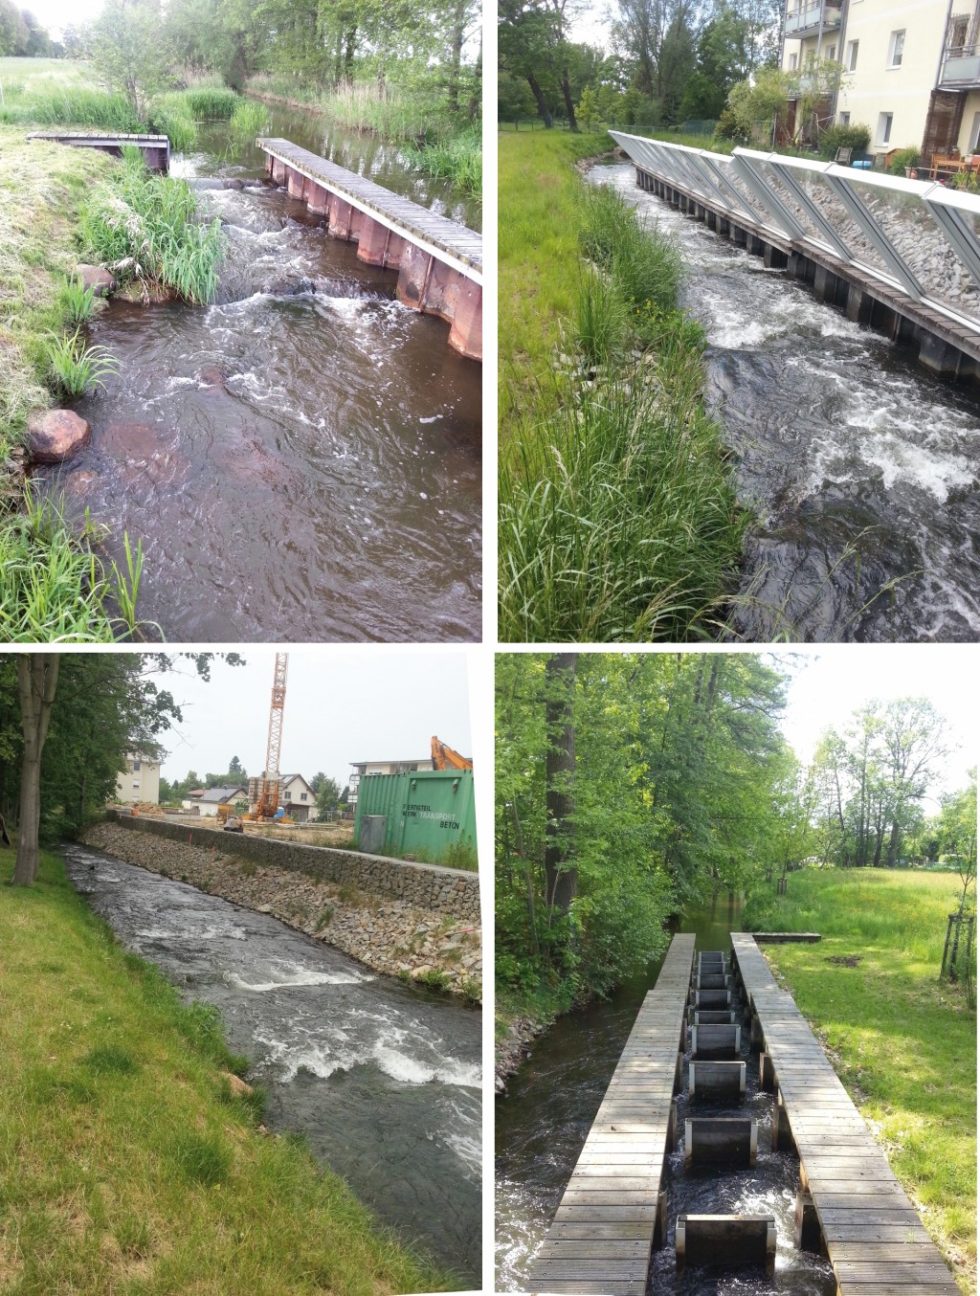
543	1118
861	469
382	1078
301	459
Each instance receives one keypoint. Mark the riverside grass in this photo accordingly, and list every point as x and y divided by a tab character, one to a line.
617	516
903	1043
126	1165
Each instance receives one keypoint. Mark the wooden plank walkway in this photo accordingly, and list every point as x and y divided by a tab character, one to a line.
603	1231
156	148
446	239
875	1239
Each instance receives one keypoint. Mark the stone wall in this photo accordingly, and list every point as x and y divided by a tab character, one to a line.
442	890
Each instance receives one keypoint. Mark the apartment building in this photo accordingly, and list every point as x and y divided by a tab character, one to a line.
139	781
911	68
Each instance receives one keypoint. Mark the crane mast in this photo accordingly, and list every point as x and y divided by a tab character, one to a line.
267	800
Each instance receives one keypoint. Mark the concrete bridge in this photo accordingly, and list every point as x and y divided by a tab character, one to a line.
155	148
899	255
439	261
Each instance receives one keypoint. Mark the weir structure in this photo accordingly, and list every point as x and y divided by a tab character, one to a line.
439	261
899	255
849	1205
155	148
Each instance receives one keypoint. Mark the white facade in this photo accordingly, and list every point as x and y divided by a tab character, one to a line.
298	798
360	768
895	55
139	781
223	796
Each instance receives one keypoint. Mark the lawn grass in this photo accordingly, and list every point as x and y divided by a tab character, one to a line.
539	199
903	1044
126	1165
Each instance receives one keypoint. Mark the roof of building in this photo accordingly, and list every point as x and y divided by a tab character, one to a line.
220	794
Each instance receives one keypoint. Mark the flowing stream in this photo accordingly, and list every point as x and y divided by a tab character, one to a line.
382	1078
543	1118
301	459
861	469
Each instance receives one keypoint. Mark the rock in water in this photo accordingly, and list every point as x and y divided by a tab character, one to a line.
97	278
54	435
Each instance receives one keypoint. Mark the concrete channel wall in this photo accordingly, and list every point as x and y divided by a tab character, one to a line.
443	890
899	255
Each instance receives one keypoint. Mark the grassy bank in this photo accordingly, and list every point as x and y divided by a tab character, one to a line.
125	1163
618	519
904	1045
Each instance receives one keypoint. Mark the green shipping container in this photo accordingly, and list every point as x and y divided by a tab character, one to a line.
425	813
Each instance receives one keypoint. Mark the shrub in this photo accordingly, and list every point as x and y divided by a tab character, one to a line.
854	137
904	158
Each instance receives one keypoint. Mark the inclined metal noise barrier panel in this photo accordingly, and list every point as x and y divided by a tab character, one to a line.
916	236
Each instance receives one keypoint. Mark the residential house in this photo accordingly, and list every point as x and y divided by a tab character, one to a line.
298	798
911	68
210	800
193	799
139	781
360	768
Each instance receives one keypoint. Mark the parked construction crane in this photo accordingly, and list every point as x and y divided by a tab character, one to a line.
265	792
444	758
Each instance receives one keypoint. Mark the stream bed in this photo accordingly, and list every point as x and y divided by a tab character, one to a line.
861	469
544	1117
382	1078
301	458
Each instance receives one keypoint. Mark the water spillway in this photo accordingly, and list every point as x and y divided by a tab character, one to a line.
301	459
382	1078
860	467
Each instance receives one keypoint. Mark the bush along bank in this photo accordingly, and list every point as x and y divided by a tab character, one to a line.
131	1156
393	936
618	518
64	208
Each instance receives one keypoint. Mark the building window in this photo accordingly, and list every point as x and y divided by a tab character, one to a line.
136	766
792	62
302	796
884	127
896	48
845	119
830	53
852	55
975	133
959	26
287	795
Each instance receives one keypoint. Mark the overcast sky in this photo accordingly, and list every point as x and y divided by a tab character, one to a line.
56	15
833	683
341	706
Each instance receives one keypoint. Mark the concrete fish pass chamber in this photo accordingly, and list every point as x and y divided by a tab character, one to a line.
439	261
901	256
616	1208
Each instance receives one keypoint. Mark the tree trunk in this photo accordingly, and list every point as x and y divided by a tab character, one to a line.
456	54
350	46
566	91
894	842
37	680
561	880
543	110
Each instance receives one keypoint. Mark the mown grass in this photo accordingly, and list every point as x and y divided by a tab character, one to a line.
618	519
126	1165
903	1044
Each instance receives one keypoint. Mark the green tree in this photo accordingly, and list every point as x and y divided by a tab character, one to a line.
327	797
129	50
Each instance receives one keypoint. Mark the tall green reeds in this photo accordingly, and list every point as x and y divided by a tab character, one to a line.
457	159
248	120
618	519
72	107
148	223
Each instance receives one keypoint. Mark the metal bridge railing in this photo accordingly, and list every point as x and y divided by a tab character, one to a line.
916	236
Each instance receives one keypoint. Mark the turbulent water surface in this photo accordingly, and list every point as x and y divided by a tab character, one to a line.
301	459
382	1078
549	1106
861	469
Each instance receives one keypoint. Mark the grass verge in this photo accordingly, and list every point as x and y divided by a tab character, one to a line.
618	519
126	1164
903	1044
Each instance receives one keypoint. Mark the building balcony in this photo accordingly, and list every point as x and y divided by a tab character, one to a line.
961	67
805	19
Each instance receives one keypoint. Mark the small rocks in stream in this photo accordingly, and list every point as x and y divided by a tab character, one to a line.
81	482
97	278
54	435
211	376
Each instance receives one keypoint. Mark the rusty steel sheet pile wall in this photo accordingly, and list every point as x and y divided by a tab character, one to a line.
429	886
439	262
911	244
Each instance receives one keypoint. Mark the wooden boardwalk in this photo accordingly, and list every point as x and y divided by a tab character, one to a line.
874	1237
604	1228
453	244
155	148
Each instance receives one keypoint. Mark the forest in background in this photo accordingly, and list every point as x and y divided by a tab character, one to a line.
629	785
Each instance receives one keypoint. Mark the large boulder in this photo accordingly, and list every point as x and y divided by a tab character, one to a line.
97	278
53	435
